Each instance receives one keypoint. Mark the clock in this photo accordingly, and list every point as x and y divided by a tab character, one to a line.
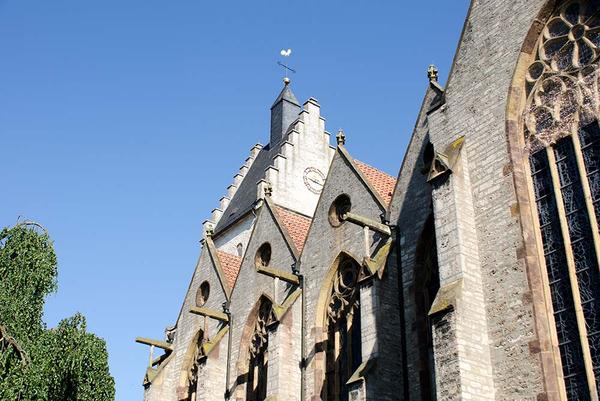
314	180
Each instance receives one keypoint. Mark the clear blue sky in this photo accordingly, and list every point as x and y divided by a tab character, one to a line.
123	122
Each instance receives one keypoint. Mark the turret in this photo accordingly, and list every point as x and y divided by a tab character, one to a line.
283	112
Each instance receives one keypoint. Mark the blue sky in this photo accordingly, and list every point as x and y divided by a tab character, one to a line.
123	122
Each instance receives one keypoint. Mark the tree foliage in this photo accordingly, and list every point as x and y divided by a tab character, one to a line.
65	363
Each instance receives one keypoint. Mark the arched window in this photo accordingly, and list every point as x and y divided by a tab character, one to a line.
562	138
343	345
192	362
256	385
427	284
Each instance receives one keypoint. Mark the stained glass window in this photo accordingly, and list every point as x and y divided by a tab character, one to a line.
563	138
558	278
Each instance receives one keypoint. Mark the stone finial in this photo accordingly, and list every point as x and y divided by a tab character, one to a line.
341	137
432	73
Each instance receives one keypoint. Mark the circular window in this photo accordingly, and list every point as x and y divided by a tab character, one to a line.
348	274
340	206
202	293
263	255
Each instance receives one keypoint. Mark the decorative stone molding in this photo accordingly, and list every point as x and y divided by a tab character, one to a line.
443	162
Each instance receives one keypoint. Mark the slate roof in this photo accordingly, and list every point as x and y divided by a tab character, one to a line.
287	95
245	196
231	266
381	182
297	226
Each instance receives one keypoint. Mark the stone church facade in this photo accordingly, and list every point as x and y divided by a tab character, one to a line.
471	275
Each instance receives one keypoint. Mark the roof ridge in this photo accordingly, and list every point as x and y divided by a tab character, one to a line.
375	168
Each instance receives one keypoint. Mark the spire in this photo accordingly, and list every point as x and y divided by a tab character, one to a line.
283	112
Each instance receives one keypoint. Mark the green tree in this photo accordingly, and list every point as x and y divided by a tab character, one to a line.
38	364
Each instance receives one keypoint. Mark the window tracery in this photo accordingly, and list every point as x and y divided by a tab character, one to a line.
562	82
194	367
256	386
343	346
562	136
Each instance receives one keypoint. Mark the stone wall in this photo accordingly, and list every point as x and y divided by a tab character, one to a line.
250	286
409	210
476	99
318	261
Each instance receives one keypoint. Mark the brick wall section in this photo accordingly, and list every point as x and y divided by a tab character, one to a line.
447	358
211	377
458	258
284	357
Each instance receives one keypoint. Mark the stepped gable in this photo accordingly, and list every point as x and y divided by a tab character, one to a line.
381	182
231	266
245	196
242	194
296	224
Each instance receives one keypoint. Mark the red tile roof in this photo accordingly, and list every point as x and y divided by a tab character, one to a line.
231	266
381	182
296	225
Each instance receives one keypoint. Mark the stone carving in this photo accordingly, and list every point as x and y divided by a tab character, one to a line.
562	82
260	337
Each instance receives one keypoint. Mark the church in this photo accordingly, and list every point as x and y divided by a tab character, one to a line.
471	275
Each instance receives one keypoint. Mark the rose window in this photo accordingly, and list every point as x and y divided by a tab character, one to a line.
571	39
562	82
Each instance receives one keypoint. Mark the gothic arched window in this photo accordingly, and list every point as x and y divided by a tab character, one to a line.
192	363
256	385
427	284
343	345
562	137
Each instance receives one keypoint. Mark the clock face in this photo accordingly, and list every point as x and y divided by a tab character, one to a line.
314	180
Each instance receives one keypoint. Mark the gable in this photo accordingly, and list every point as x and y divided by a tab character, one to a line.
266	229
205	271
325	240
